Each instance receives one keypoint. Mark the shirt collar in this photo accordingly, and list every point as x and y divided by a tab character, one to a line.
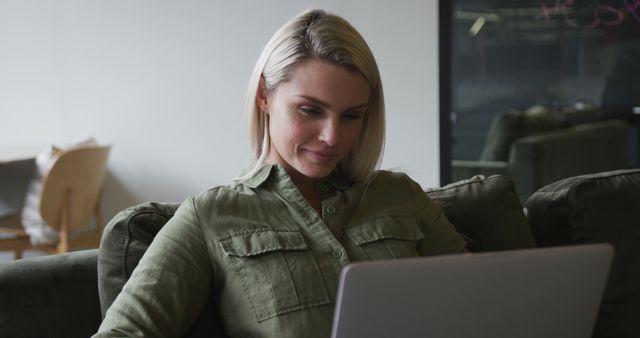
261	175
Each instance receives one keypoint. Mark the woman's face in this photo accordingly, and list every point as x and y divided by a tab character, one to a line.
315	117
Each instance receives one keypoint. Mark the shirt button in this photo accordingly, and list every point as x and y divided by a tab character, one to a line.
336	253
331	210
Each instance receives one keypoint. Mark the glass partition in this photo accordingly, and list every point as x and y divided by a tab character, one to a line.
512	69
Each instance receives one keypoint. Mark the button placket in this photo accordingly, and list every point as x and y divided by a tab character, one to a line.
314	225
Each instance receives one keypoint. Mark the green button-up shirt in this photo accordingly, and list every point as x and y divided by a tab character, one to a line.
268	258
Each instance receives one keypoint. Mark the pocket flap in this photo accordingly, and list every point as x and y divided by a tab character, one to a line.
252	243
402	228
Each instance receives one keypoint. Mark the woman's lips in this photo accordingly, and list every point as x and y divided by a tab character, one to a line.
321	156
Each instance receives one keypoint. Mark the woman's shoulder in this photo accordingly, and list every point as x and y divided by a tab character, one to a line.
390	193
228	209
392	187
224	192
392	180
390	175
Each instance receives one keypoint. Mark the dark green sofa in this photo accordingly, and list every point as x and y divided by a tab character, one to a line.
65	295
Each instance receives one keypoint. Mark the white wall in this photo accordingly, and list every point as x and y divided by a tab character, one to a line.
164	81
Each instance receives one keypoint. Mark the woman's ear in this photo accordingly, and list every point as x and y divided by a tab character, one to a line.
261	96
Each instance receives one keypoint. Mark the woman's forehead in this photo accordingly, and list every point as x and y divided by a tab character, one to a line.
326	82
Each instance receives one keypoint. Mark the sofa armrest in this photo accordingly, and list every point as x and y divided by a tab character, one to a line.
462	170
50	296
598	208
124	241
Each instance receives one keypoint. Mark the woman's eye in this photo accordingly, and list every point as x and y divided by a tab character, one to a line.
352	115
309	111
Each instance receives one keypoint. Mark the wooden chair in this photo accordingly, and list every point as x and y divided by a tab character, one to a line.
71	197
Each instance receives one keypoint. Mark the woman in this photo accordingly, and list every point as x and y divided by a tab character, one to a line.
270	246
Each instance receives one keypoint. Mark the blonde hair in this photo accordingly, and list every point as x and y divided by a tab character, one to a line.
319	35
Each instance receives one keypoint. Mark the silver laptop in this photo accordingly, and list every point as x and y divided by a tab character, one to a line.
550	292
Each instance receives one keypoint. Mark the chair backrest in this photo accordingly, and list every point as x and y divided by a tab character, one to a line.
75	178
509	126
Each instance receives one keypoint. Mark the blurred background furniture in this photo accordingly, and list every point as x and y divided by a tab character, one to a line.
70	200
535	148
500	55
17	164
47	296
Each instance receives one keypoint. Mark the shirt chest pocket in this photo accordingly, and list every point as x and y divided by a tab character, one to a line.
387	237
278	272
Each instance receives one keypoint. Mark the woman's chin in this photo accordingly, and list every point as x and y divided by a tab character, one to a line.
317	171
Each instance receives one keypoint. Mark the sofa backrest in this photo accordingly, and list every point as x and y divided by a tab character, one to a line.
597	208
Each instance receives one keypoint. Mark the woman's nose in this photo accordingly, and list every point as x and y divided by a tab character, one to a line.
330	131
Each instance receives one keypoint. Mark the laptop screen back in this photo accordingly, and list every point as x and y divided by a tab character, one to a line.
550	292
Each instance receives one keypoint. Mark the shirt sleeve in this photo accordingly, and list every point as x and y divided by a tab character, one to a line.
440	236
170	286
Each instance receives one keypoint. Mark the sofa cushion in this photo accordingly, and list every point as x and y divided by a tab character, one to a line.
597	208
125	239
487	211
50	296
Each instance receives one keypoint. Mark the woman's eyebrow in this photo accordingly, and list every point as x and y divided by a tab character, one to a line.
326	105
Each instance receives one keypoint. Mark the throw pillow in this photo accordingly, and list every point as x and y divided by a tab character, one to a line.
487	211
